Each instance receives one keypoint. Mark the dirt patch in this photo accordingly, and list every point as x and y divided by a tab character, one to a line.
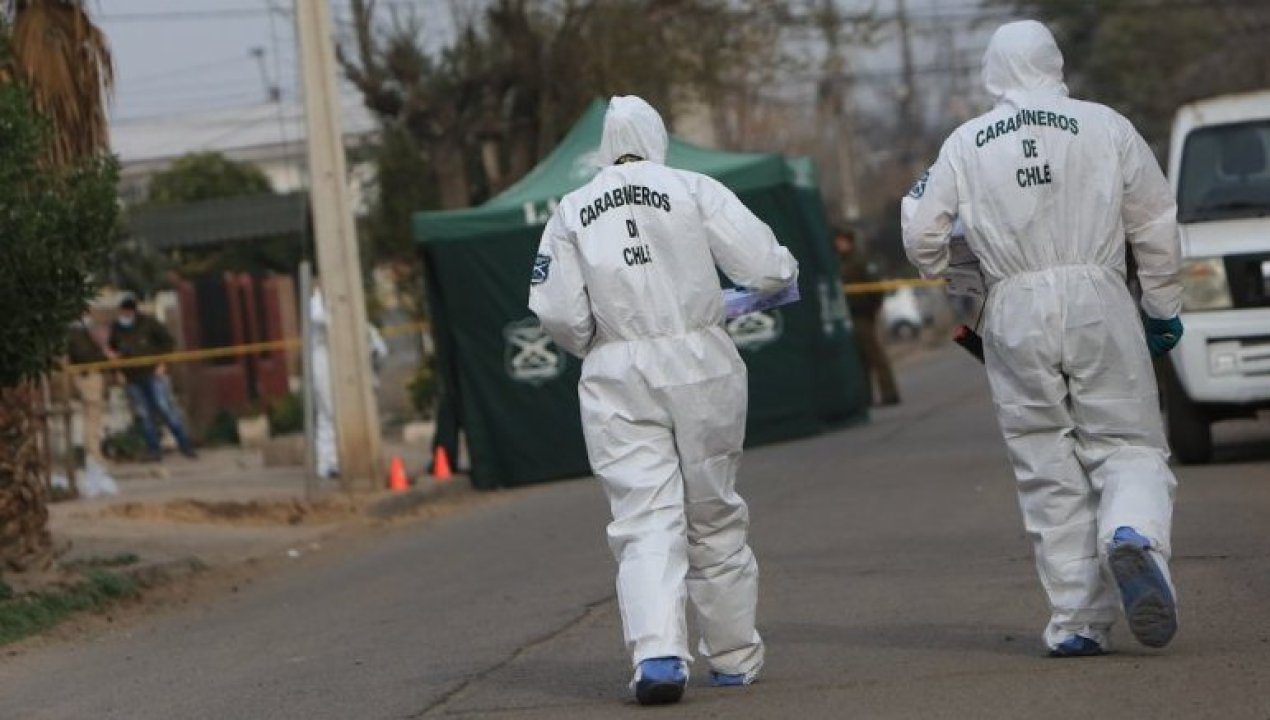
327	511
374	509
355	529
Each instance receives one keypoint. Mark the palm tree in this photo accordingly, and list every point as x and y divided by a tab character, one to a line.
56	51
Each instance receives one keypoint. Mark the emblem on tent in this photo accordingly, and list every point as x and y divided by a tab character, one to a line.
756	330
833	307
531	356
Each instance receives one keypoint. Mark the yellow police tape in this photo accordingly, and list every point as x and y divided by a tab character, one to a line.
887	286
182	356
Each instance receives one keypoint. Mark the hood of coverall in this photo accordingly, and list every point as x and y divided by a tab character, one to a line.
1023	59
633	127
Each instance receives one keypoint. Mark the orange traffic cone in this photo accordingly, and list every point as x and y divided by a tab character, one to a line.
397	480
441	465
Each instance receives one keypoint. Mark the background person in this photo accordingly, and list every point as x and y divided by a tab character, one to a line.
865	308
134	334
326	450
82	347
625	278
1049	188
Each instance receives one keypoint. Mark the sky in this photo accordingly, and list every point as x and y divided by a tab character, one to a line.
190	55
184	56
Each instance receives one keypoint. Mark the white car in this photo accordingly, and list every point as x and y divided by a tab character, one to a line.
1219	170
902	314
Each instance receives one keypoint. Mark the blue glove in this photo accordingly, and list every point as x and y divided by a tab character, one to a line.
1163	335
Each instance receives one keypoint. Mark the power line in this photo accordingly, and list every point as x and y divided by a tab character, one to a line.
241	127
232	13
212	64
889	74
294	153
186	87
148	117
183	15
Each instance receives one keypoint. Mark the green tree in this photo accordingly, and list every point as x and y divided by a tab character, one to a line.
402	186
57	225
195	178
57	217
206	176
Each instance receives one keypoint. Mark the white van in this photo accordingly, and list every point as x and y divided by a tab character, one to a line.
1219	167
902	314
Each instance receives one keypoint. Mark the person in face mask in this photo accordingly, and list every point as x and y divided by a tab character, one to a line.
1050	189
135	334
625	278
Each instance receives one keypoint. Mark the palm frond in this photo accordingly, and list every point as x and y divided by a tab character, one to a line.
64	58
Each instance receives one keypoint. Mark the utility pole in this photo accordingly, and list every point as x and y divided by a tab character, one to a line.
356	415
908	93
834	95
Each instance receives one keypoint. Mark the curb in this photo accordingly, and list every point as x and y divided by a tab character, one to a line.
395	506
157	573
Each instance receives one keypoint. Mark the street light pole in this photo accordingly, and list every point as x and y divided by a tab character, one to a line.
356	416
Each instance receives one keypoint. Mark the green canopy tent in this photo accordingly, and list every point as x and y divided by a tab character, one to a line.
514	393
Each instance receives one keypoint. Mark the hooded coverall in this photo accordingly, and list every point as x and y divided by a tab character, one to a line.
326	445
625	278
1049	189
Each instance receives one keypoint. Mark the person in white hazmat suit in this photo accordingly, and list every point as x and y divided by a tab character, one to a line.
1050	188
326	450
625	278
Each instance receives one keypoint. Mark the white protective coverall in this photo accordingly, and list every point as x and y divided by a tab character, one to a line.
625	278
326	452
1049	189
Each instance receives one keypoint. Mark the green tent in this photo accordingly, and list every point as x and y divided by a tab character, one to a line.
514	393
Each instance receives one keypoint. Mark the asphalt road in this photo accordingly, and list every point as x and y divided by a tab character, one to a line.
896	583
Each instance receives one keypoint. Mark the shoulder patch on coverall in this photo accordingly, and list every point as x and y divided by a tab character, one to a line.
919	187
542	269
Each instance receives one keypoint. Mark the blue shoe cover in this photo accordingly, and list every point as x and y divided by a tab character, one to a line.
1148	603
1077	646
718	679
660	681
1126	534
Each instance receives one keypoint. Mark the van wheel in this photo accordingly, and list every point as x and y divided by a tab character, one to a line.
905	330
1190	429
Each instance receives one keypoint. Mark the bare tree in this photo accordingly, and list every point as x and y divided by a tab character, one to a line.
405	87
1148	57
493	102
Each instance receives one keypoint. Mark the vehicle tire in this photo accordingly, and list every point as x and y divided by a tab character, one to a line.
1189	428
905	330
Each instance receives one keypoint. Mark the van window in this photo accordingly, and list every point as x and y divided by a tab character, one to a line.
1225	173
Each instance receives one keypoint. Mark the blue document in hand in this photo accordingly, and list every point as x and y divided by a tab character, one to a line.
738	301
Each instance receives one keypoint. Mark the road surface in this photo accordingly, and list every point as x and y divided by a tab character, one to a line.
896	583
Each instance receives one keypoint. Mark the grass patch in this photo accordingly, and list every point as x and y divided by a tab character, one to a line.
26	615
